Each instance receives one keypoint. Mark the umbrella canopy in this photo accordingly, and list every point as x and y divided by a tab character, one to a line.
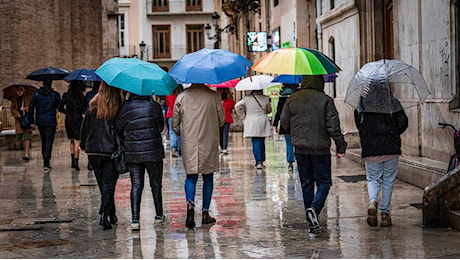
136	76
256	82
10	91
209	66
227	84
296	61
48	73
83	75
288	79
386	86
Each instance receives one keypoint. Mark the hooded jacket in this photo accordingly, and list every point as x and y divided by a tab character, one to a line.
313	119
45	101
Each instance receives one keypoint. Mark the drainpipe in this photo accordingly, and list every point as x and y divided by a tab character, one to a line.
319	32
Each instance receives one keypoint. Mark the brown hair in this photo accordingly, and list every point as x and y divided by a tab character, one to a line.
106	102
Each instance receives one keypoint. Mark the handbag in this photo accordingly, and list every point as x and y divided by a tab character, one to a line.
25	123
119	157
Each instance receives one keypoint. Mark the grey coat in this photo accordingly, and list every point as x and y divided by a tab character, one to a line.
256	122
198	115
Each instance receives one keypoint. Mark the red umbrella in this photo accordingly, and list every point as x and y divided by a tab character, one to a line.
10	91
227	84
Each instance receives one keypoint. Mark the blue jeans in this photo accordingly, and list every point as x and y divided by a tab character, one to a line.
258	149
289	149
47	134
173	138
314	169
381	174
224	136
208	186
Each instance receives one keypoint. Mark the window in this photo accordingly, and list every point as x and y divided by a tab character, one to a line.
121	20
388	33
160	6
276	2
332	3
195	37
193	5
161	41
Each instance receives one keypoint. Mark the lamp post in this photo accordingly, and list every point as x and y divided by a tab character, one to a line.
215	22
142	48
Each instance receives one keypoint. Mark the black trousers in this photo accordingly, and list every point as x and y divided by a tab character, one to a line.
137	173
47	134
106	176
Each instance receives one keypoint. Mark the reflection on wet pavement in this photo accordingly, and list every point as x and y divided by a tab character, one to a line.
259	213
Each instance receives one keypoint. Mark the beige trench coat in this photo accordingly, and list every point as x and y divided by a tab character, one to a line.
256	123
198	115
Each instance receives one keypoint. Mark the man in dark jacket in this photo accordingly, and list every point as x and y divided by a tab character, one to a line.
140	123
313	119
45	101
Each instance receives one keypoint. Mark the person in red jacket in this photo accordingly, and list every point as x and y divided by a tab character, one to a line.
229	104
173	138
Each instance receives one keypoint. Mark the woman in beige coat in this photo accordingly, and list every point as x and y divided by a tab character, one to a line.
19	108
198	115
254	109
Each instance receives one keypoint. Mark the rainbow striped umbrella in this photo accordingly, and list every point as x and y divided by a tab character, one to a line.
296	61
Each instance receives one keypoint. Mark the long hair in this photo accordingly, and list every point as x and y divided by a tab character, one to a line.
106	102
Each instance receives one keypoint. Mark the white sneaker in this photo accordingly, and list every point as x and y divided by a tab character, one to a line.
314	227
259	166
159	220
135	225
225	151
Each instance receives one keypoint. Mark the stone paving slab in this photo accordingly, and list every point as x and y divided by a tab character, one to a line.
259	213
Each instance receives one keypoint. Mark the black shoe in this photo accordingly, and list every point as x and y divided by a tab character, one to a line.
113	219
101	220
190	222
90	168
25	158
105	222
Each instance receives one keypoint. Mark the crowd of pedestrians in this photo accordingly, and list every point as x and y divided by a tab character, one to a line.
199	119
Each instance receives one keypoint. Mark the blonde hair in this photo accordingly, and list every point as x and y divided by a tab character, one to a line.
106	102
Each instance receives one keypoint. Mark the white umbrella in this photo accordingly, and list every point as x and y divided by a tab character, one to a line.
256	82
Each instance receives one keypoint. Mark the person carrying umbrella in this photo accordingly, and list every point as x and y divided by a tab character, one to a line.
229	104
380	119
19	108
42	113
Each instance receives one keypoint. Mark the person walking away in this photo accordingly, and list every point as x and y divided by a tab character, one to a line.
140	123
253	109
174	140
380	147
198	115
88	96
228	104
98	141
313	119
19	108
285	92
73	105
42	113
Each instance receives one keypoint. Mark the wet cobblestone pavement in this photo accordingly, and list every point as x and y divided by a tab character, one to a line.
259	213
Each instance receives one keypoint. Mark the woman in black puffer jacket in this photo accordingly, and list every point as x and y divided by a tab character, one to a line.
140	122
98	141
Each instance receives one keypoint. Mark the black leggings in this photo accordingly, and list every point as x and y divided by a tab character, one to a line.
137	171
106	176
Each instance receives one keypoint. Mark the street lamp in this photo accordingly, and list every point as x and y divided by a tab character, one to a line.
215	22
142	48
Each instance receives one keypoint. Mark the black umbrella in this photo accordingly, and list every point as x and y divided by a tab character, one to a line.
48	73
10	91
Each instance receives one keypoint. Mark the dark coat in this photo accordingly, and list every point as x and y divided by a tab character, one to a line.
97	135
45	101
73	106
380	133
276	120
314	120
140	122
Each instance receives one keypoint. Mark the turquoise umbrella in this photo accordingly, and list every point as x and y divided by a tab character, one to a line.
136	76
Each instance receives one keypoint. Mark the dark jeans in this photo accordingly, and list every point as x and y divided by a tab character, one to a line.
137	173
106	176
224	136
258	149
47	134
314	169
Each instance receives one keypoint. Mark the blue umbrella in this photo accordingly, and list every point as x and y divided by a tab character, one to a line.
136	76
83	75
288	79
209	66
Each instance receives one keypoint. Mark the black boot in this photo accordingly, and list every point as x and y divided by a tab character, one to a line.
101	220
113	219
76	164
190	222
105	222
73	161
